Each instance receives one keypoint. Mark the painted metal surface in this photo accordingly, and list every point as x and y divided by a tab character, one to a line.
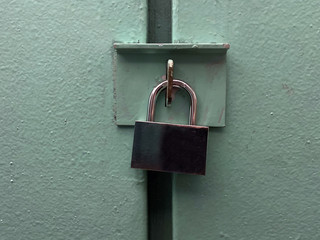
62	156
263	177
140	67
64	164
171	47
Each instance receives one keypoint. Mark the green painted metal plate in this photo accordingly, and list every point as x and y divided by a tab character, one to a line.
140	67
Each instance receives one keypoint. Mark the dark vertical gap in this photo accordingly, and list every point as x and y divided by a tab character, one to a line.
159	21
159	184
159	206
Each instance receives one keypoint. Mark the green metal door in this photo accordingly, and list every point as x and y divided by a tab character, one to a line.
263	169
65	165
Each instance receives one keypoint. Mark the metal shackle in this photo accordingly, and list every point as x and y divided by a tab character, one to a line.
176	84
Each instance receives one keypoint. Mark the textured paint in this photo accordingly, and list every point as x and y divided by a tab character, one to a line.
263	168
64	164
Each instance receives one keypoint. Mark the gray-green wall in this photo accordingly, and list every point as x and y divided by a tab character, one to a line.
263	176
64	165
67	160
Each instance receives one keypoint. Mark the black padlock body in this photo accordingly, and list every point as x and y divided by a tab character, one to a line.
170	147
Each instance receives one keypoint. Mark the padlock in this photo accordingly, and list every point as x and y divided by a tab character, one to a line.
168	147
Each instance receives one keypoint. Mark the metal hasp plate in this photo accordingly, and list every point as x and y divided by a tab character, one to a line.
170	147
139	67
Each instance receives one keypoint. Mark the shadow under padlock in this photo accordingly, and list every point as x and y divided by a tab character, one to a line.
168	147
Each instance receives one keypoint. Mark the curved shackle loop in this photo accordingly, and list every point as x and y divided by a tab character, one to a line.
176	84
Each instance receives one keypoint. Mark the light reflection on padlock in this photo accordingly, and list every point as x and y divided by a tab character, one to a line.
170	147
